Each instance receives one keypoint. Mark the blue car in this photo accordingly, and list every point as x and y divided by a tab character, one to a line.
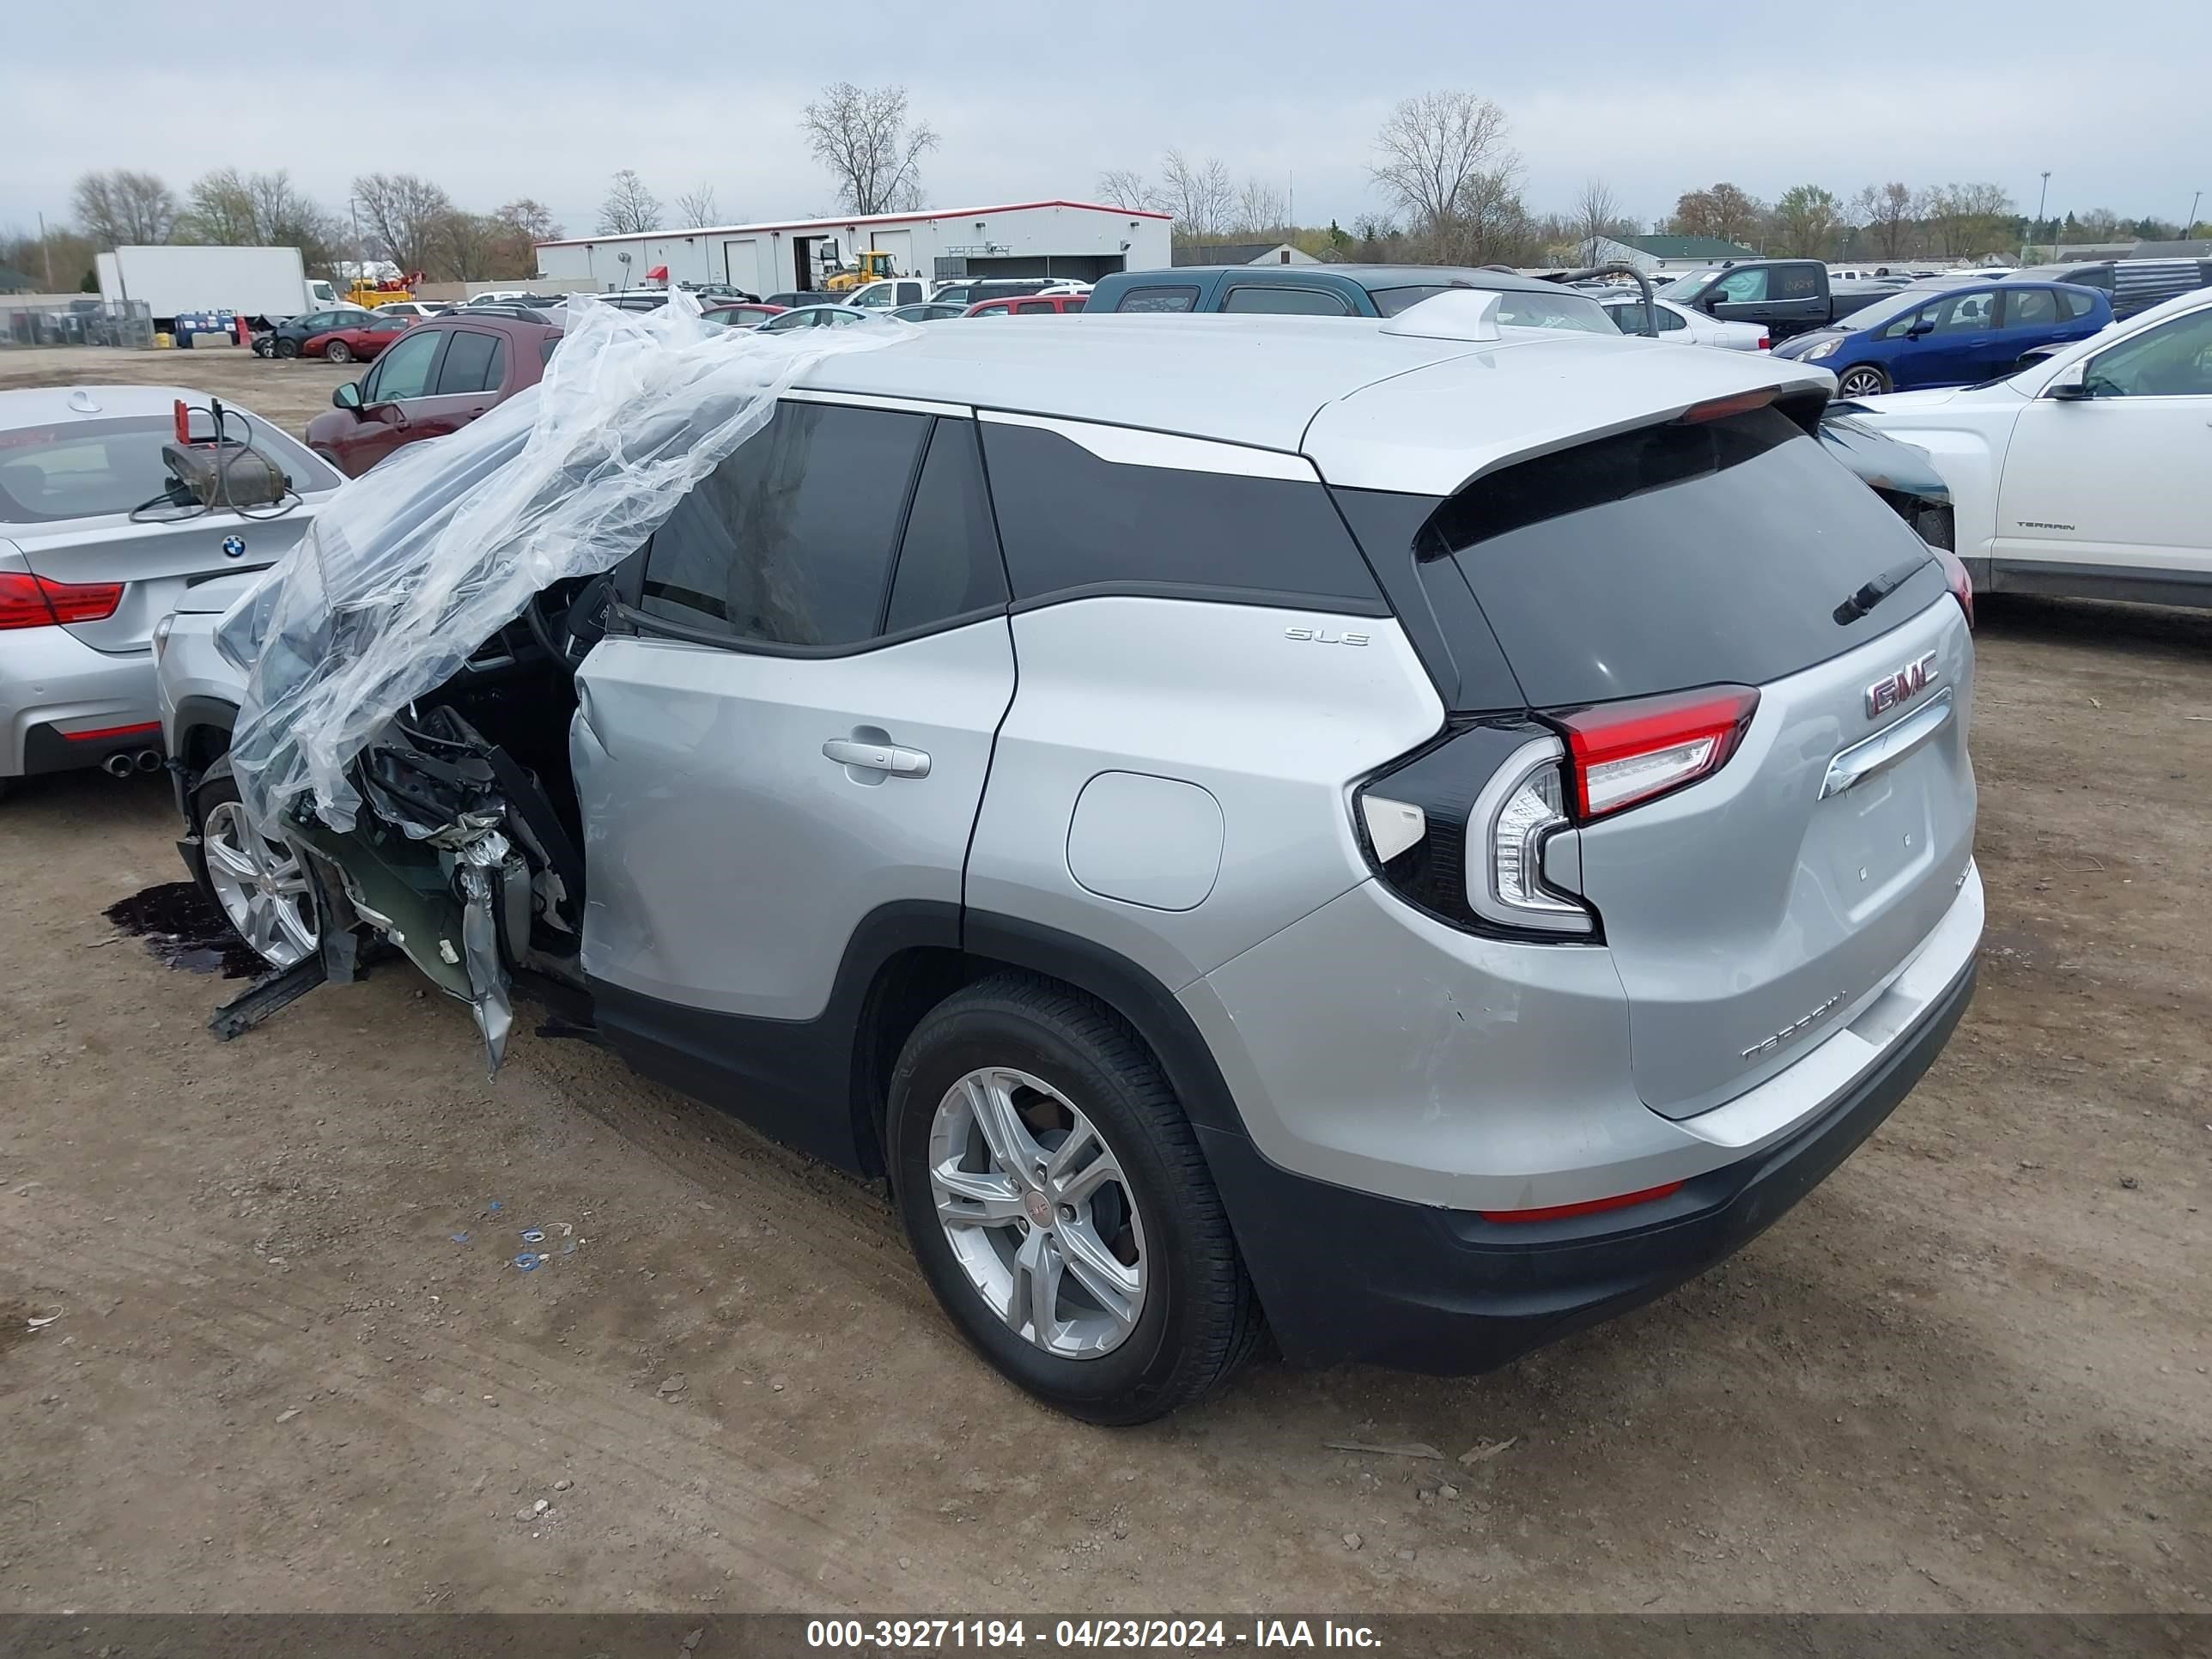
1948	337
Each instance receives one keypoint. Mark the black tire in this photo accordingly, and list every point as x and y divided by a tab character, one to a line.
1200	1320
1862	372
286	346
337	351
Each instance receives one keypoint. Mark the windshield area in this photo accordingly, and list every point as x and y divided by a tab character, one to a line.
1684	287
1882	310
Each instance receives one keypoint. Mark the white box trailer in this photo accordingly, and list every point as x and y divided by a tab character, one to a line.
266	285
1080	241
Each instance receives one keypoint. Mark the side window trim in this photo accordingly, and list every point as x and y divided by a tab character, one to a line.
1131	445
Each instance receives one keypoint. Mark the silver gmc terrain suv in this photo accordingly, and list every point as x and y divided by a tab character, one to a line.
1413	835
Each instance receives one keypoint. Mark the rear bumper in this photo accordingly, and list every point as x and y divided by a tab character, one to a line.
1348	1276
52	684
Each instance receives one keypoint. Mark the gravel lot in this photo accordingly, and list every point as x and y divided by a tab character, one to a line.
294	1368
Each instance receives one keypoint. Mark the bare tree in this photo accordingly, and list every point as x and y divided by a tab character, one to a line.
221	210
1124	187
1435	148
120	208
1596	216
402	212
695	208
861	135
517	228
1887	212
1197	194
629	206
1261	211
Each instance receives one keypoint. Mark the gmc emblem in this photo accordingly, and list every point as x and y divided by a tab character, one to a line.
1896	689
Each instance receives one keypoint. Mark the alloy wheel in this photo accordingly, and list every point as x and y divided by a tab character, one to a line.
1038	1212
260	885
1861	383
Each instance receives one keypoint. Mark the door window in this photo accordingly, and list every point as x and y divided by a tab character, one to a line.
1797	283
2173	360
404	370
2031	307
948	561
1286	302
474	363
1963	313
789	541
1743	287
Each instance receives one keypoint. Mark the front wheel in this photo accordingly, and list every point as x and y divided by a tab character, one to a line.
257	882
286	348
1862	381
337	351
1056	1199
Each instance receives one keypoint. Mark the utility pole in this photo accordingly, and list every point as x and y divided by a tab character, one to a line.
2040	196
46	248
2188	224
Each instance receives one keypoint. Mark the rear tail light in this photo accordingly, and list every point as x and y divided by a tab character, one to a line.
1624	754
1480	828
1962	585
1461	830
1766	342
28	601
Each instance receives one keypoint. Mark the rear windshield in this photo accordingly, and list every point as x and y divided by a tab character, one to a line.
1678	555
1516	308
95	469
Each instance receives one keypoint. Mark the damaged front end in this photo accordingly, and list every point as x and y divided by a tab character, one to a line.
460	861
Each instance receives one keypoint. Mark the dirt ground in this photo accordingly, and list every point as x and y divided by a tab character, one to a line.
292	1367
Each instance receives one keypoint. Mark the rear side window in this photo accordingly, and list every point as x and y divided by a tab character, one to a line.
474	362
789	541
2028	307
948	563
1071	520
2078	305
1286	301
1158	298
1677	555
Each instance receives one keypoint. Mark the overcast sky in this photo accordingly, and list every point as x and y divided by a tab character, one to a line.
548	98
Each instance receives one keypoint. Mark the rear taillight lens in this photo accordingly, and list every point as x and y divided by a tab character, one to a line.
1461	830
1962	585
1766	342
28	601
1624	754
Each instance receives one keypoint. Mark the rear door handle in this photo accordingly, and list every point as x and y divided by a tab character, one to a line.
878	757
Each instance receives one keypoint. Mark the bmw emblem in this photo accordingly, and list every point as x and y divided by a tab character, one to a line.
233	547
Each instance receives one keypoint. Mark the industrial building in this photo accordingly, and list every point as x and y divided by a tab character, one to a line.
1079	240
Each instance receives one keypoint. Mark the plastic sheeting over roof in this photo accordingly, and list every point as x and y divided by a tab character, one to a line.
408	569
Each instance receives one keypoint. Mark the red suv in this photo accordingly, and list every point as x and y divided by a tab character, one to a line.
434	379
1034	305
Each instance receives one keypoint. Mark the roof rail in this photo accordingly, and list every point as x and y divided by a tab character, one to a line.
1458	313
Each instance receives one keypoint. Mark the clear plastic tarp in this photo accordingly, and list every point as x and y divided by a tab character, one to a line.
410	568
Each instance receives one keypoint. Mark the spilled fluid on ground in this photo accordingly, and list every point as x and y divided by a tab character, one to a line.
184	928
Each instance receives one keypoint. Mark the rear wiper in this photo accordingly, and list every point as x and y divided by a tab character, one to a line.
1877	589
